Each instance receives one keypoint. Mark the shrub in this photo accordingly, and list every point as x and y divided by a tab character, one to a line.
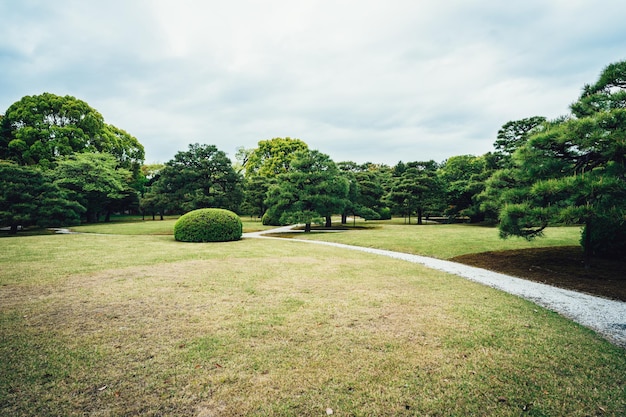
271	218
385	213
608	237
208	225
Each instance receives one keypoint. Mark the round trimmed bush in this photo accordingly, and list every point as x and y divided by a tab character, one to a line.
208	225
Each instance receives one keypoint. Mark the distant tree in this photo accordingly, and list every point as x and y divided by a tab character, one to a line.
513	135
256	188
365	191
272	157
311	189
415	189
463	178
94	181
201	177
28	198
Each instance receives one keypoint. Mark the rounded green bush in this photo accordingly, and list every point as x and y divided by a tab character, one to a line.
208	225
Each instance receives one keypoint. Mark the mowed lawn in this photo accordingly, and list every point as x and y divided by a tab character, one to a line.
132	324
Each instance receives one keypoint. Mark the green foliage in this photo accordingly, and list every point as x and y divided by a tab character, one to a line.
574	170
271	218
37	130
27	198
514	134
416	189
200	177
311	189
271	157
384	213
256	188
463	178
608	237
208	225
94	181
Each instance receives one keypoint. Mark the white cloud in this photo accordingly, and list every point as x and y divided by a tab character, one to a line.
364	80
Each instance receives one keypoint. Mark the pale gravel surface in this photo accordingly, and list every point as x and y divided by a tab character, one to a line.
606	317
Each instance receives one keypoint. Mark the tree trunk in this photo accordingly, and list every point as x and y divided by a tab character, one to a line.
92	217
419	216
13	230
329	221
587	252
307	228
344	218
107	218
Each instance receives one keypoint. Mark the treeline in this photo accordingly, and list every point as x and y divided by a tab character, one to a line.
62	164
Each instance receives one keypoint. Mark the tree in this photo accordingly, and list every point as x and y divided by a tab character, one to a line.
365	192
575	167
415	189
28	198
36	130
256	188
272	157
311	189
514	134
201	177
124	147
463	178
94	181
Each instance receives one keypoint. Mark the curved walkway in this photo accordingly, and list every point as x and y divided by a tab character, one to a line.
606	317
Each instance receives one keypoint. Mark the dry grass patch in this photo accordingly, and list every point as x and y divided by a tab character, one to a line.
287	334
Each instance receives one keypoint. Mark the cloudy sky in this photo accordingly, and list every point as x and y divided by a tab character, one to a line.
365	80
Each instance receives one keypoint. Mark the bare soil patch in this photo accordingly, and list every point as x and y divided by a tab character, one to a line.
561	267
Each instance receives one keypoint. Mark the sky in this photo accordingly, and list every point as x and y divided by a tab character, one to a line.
376	81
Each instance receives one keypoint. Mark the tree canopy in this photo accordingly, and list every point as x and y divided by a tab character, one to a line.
272	157
94	181
201	177
415	188
311	189
36	130
28	198
574	170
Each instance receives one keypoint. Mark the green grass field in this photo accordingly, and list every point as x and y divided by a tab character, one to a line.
135	323
442	240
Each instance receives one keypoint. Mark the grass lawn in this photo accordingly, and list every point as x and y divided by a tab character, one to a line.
442	241
136	226
138	324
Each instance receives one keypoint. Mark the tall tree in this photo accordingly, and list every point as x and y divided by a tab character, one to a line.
576	169
94	181
514	134
463	178
256	188
365	192
310	190
36	130
28	198
416	189
200	177
272	157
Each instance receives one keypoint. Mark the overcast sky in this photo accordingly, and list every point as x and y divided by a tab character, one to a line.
365	80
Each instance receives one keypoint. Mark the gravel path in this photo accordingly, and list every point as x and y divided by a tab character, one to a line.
606	317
